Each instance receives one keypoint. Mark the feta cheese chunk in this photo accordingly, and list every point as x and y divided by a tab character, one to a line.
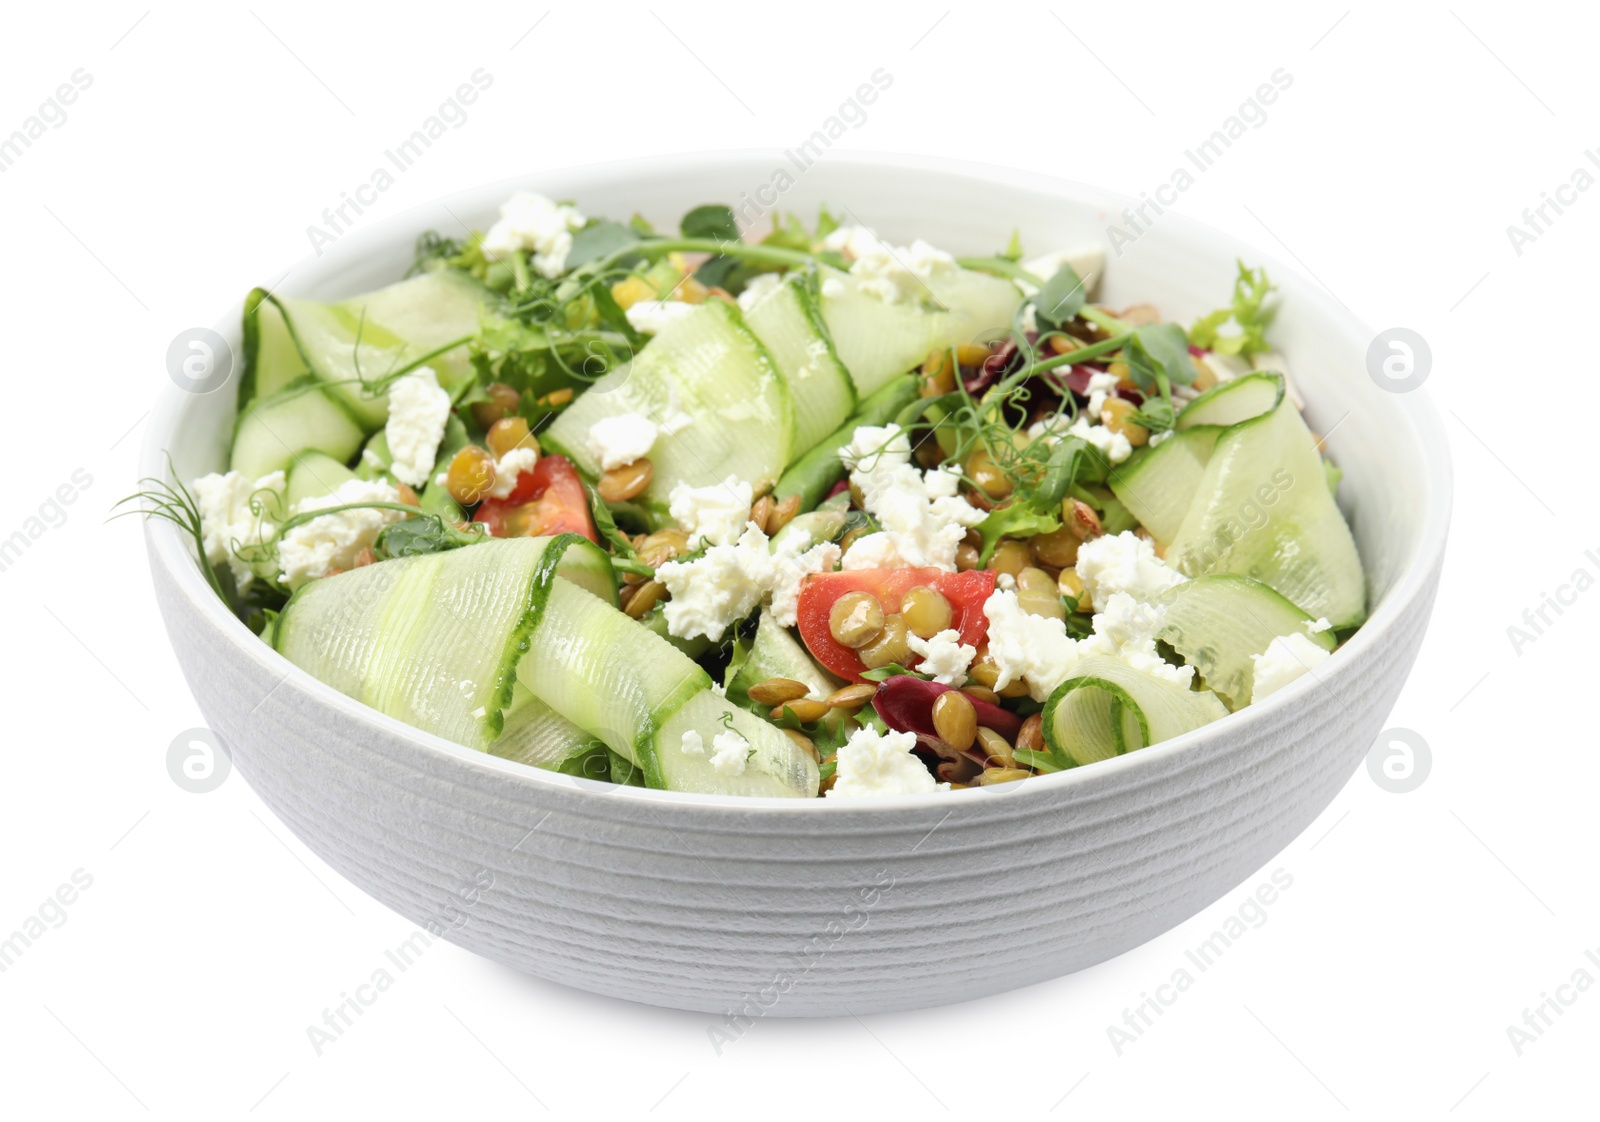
1101	383
1286	659
724	585
758	286
418	411
872	446
923	517
1113	445
1123	562
874	763
650	316
1035	650
1088	263
238	515
1127	631
729	752
332	541
944	656
1317	626
533	222
692	743
620	440
713	515
891	273
508	469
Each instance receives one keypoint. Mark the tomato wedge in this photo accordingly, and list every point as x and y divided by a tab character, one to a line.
965	591
547	500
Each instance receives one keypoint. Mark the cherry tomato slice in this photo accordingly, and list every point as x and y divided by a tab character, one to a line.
546	501
965	591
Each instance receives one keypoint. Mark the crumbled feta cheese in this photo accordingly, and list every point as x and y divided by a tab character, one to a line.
1286	658
652	316
944	656
1123	562
729	751
891	273
372	459
1006	581
714	514
833	288
1101	383
418	411
874	763
692	744
332	541
922	516
442	479
1317	626
1159	438
227	522
533	222
712	592
509	468
758	286
789	573
622	439
1113	445
1126	630
1032	649
872	446
1088	263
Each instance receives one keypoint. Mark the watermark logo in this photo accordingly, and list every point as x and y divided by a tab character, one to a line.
1552	607
1543	1016
1399	760
48	916
198	761
1537	220
50	515
52	113
1399	360
199	360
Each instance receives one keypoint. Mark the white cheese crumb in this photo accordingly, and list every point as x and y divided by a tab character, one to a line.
1123	562
1100	386
652	316
1317	626
620	440
713	515
872	446
712	592
332	541
692	743
1035	650
1286	659
891	273
944	656
533	222
227	522
874	763
1127	630
1113	445
758	286
922	516
509	468
729	751
418	412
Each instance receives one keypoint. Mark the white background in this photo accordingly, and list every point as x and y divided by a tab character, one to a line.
1418	927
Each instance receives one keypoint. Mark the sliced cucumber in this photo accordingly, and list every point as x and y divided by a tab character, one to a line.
709	366
536	735
1108	708
434	640
1262	509
314	474
273	430
776	653
1158	485
1218	622
366	337
789	321
877	340
774	765
271	360
605	673
1234	401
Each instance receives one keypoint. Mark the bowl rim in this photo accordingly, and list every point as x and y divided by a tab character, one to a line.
168	544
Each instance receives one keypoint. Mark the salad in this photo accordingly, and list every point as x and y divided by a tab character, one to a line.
802	514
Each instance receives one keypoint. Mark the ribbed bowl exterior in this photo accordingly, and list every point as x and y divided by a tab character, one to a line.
775	912
747	908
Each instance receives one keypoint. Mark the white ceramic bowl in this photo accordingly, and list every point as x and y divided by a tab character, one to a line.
809	908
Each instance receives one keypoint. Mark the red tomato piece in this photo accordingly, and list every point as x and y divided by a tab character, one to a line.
965	591
546	501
